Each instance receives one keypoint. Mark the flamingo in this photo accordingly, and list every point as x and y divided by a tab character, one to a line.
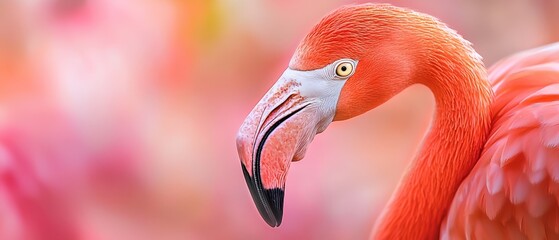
488	167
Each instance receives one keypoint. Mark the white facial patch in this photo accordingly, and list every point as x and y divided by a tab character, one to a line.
320	87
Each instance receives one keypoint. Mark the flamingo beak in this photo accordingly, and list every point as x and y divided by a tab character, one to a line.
276	132
267	143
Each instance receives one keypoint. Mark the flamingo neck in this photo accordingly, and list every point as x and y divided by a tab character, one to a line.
457	78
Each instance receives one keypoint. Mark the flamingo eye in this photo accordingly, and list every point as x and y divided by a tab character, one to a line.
344	69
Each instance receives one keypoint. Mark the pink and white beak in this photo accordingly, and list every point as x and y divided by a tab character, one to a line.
279	129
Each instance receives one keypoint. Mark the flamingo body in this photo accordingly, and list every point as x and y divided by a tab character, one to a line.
513	191
489	166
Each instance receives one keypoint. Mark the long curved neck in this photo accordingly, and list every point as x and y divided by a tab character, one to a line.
457	78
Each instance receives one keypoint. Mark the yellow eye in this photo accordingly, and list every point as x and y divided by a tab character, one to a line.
344	69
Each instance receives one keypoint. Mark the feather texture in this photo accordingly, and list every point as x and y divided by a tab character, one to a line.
517	176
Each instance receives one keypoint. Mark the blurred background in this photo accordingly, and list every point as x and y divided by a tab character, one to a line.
118	118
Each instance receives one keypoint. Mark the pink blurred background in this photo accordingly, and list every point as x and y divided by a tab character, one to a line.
118	118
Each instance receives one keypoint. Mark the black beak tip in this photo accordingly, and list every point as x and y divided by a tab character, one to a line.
269	202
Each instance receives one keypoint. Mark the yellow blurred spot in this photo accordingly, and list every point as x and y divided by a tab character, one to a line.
204	21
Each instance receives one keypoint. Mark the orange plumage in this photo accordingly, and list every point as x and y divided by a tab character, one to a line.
513	191
489	167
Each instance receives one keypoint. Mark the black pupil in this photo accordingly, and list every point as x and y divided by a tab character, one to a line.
344	68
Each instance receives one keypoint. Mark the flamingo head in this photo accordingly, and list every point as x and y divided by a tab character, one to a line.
341	69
